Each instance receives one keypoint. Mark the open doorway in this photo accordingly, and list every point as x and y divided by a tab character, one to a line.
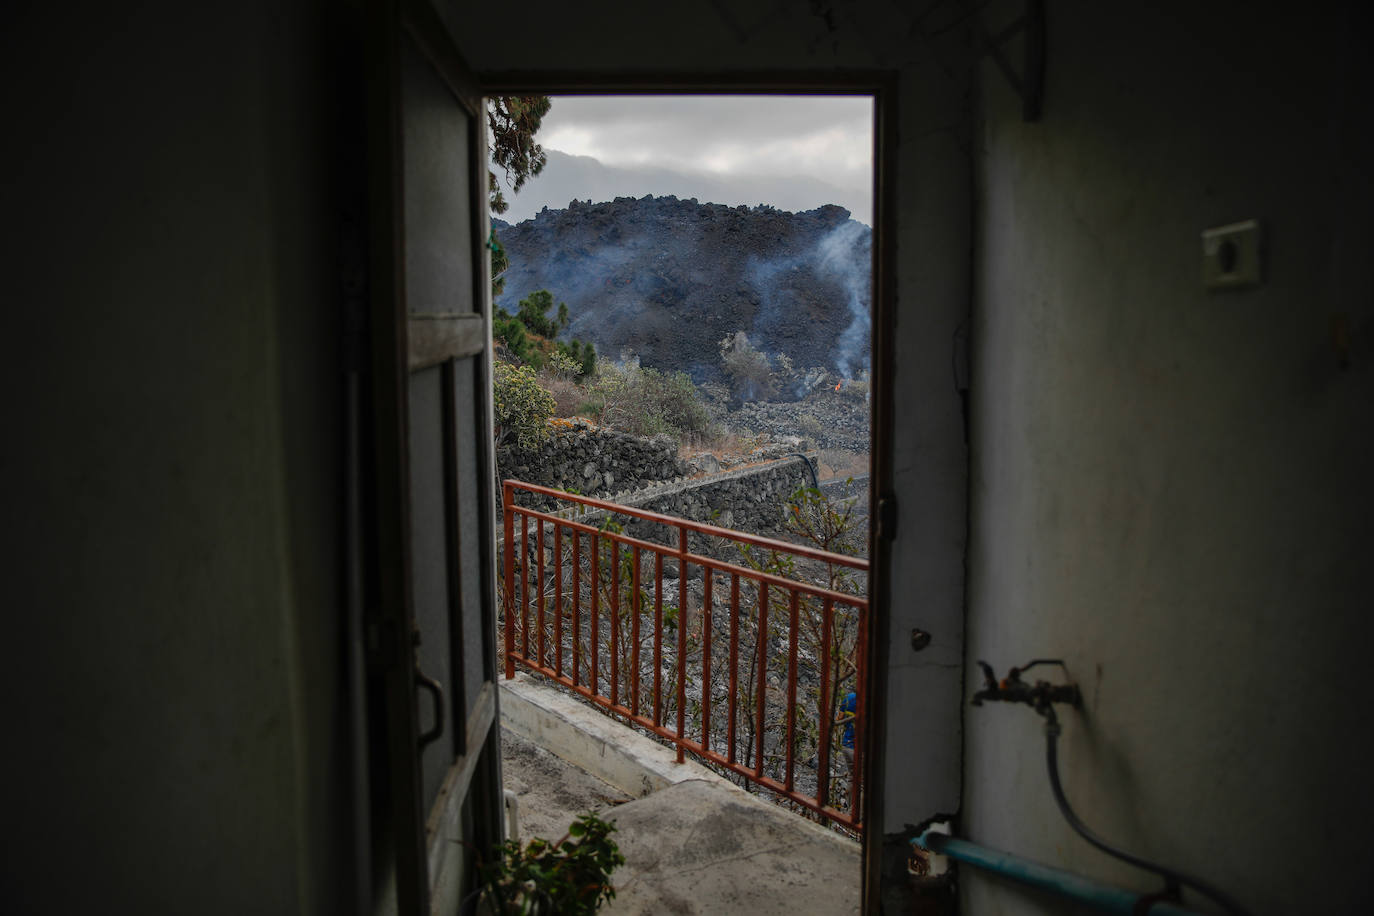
725	324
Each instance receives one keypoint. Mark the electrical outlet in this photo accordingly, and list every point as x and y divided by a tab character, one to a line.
1231	256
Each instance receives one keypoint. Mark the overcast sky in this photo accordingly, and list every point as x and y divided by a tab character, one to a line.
794	152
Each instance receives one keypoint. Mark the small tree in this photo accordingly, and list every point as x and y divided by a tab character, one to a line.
534	312
513	121
583	353
511	331
523	407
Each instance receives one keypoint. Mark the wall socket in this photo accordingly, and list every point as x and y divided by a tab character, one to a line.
1232	256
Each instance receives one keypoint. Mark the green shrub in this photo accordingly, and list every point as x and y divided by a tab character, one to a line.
523	408
511	331
581	352
534	313
532	318
561	365
647	402
570	877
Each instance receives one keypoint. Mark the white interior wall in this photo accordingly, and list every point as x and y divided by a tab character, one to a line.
1171	488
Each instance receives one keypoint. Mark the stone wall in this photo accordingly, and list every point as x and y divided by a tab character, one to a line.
591	460
751	499
748	499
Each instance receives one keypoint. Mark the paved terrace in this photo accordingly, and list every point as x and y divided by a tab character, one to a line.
693	842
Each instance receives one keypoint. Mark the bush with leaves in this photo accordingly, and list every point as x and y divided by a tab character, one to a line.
523	407
646	402
570	877
561	366
510	331
533	311
581	352
749	369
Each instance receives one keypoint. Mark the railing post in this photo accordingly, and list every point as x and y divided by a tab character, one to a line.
761	696
794	622
508	606
681	639
827	716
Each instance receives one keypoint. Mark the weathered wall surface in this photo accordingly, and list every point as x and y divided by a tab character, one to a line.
1172	489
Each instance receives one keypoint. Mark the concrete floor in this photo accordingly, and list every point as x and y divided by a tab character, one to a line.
551	792
694	847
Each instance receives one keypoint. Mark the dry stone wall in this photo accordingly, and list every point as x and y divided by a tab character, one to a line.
645	473
592	460
751	499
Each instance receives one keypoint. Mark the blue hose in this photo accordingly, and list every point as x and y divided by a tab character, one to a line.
1105	897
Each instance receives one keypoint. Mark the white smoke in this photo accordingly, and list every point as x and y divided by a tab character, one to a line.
841	255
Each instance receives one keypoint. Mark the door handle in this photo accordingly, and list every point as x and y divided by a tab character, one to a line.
436	691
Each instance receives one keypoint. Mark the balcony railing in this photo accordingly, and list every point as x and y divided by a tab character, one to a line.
751	670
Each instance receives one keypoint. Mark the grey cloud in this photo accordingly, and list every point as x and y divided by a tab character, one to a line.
660	145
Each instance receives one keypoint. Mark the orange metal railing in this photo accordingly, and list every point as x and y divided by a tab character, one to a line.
566	616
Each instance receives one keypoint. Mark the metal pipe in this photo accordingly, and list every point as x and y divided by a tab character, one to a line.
1172	877
1104	897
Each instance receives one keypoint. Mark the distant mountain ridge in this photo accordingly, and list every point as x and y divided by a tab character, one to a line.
669	278
566	176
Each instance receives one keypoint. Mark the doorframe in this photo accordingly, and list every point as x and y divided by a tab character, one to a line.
882	86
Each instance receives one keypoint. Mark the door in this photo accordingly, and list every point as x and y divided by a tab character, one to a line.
431	628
